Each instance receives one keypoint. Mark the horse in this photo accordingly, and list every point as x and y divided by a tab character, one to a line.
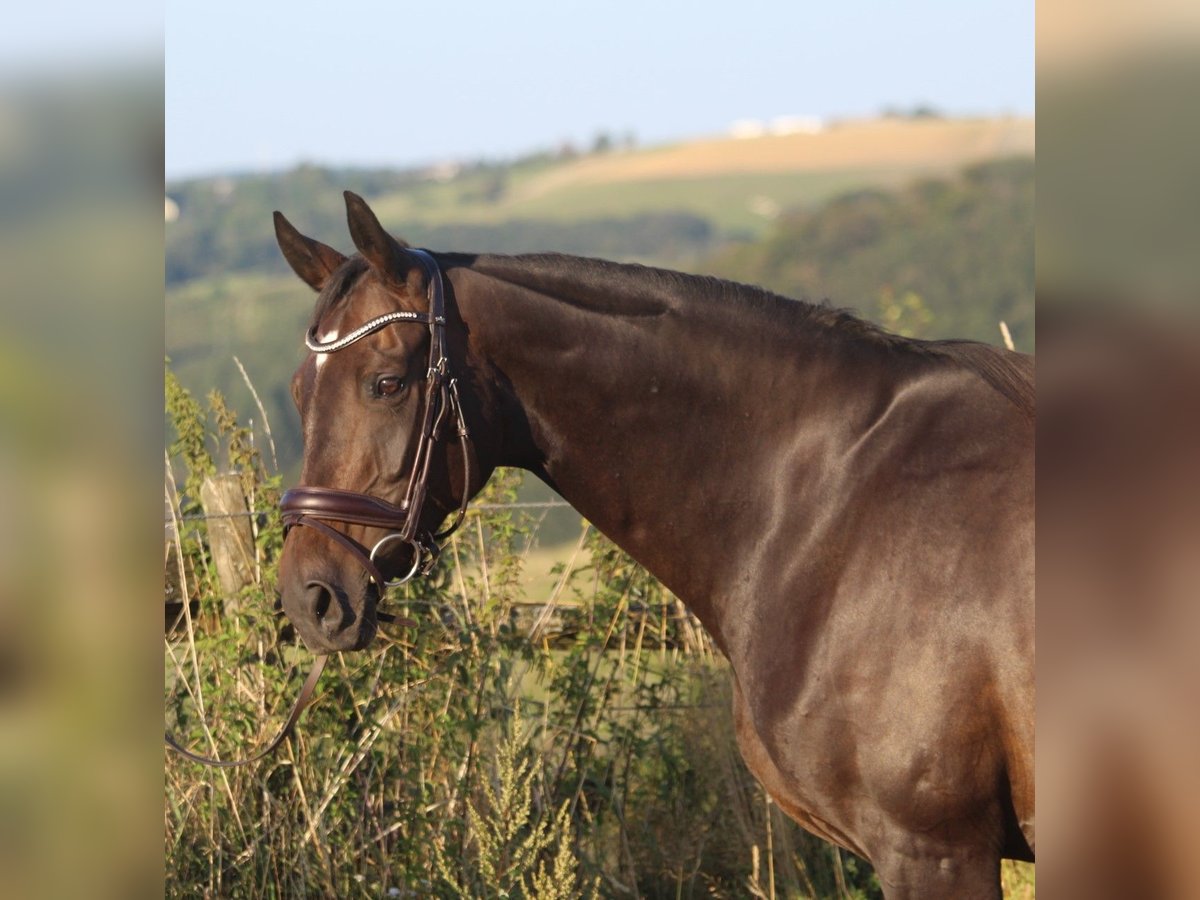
847	511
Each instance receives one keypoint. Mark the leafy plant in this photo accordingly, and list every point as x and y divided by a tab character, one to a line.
471	755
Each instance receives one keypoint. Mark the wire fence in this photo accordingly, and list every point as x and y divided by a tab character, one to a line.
478	507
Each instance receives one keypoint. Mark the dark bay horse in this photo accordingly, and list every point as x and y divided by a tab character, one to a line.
848	512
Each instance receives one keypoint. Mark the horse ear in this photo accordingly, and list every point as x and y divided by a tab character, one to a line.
313	261
384	253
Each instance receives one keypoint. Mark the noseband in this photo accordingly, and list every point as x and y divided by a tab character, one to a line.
315	507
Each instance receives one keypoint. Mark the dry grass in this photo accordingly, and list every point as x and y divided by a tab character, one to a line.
723	179
877	143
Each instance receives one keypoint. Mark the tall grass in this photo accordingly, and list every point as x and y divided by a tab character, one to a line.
466	756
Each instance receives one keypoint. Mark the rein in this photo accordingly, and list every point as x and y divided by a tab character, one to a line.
302	700
315	507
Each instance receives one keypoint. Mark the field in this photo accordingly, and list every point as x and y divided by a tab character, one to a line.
740	184
914	144
742	203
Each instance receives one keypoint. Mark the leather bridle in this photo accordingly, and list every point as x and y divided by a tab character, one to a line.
315	507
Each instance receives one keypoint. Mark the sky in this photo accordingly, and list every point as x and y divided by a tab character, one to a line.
258	85
61	35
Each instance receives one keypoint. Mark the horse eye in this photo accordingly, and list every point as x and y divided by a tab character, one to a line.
387	385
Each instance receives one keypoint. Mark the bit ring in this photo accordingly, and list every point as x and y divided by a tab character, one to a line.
416	558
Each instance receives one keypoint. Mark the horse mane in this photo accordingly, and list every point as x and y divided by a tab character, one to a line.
1009	373
632	290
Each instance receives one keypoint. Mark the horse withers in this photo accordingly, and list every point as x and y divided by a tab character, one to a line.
848	512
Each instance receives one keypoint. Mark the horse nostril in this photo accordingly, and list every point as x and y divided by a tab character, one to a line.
320	597
325	611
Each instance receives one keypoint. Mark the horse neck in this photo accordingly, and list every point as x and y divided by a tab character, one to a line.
653	405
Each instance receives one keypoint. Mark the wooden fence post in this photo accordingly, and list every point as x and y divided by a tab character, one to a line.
230	538
173	586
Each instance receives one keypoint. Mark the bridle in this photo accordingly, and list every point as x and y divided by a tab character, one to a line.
315	507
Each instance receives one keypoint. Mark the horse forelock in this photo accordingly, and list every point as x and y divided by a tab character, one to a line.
338	287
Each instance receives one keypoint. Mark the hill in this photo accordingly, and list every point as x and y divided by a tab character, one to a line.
941	257
890	145
663	204
881	217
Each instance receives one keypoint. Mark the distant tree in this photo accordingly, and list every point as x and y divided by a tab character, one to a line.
907	315
962	246
917	111
925	111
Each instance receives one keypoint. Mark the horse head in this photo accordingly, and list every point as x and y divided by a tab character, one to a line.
387	457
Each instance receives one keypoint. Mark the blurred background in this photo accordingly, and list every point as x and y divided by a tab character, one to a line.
1118	600
80	449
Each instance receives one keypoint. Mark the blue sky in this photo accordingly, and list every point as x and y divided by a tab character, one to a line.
56	36
260	84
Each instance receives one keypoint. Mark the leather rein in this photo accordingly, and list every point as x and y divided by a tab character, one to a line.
315	507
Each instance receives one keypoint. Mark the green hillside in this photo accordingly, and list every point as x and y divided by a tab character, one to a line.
956	253
939	255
